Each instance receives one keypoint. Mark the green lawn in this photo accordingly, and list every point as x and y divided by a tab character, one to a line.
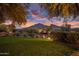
32	47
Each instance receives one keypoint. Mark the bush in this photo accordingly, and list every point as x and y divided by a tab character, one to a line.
71	38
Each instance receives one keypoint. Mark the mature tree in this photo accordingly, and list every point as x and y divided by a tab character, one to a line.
64	10
13	11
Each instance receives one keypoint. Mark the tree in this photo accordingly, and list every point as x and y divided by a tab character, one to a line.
65	10
15	12
62	9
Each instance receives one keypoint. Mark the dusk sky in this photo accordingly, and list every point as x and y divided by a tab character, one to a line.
40	15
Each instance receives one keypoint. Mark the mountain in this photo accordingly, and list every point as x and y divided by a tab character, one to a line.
42	26
75	29
55	27
38	26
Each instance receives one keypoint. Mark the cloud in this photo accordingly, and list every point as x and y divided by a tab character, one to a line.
28	24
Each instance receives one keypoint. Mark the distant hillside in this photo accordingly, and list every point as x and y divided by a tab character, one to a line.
75	29
38	26
42	26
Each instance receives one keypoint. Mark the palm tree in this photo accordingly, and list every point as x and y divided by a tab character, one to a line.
64	10
13	11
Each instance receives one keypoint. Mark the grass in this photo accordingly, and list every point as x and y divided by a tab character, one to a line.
15	46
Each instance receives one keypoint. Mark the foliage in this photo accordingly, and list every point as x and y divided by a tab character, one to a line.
71	38
13	11
62	9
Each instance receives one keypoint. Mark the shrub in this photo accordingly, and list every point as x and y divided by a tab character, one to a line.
71	38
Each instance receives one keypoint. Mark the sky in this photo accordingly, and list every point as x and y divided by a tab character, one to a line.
37	14
40	15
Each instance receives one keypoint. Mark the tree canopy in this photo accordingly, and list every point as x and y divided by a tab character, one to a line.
62	9
12	11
